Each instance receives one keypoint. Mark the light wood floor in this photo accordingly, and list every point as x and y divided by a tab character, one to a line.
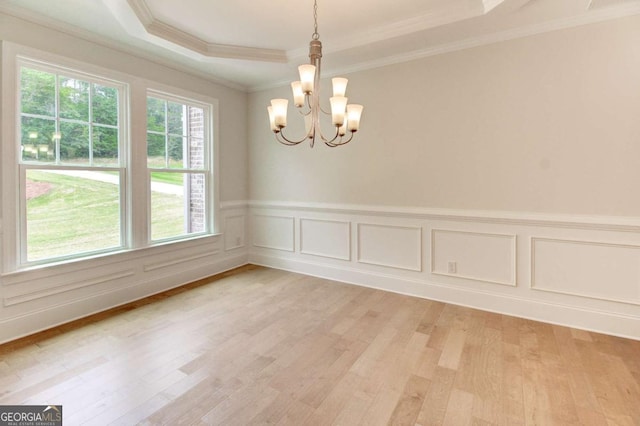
261	346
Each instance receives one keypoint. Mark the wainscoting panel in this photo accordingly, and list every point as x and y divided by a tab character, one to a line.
472	255
325	238
582	272
274	232
588	269
172	263
15	295
397	247
234	232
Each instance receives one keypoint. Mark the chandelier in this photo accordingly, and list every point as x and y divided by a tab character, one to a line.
306	97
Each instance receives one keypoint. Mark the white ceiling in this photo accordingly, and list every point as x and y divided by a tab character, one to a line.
255	44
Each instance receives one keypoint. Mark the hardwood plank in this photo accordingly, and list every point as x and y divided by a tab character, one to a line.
512	397
408	407
581	335
349	385
452	350
588	417
381	408
459	409
438	337
430	317
435	404
428	362
353	411
327	378
297	414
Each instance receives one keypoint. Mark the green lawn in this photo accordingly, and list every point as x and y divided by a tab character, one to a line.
80	215
174	178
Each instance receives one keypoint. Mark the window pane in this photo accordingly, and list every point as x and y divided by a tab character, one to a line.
176	150
71	212
177	204
196	154
177	118
37	139
74	143
155	115
74	99
105	146
37	92
196	122
105	105
155	150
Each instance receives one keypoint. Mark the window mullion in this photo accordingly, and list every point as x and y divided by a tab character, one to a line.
90	106
166	134
22	212
138	179
56	113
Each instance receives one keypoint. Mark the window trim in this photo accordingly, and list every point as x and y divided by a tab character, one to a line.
209	169
24	166
136	234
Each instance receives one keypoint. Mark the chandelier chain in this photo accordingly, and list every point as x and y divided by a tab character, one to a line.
316	36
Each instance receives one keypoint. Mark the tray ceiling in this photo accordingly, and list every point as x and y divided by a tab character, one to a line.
253	44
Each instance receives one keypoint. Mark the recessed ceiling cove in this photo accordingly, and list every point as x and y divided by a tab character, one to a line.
239	30
254	44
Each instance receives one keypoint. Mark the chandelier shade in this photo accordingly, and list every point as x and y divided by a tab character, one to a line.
345	117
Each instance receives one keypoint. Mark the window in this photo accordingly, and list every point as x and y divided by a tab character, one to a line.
179	166
70	166
89	183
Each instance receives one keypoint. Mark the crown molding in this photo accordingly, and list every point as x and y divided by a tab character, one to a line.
100	40
409	26
489	5
401	28
142	11
591	17
171	34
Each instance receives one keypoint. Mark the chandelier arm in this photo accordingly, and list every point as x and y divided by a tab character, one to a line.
280	137
334	144
308	99
328	141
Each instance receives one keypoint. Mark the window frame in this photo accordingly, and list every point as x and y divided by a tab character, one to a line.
24	166
207	170
135	209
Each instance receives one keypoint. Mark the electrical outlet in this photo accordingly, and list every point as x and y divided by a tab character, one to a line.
452	268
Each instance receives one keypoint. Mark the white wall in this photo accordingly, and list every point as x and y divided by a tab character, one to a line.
518	161
31	300
547	123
